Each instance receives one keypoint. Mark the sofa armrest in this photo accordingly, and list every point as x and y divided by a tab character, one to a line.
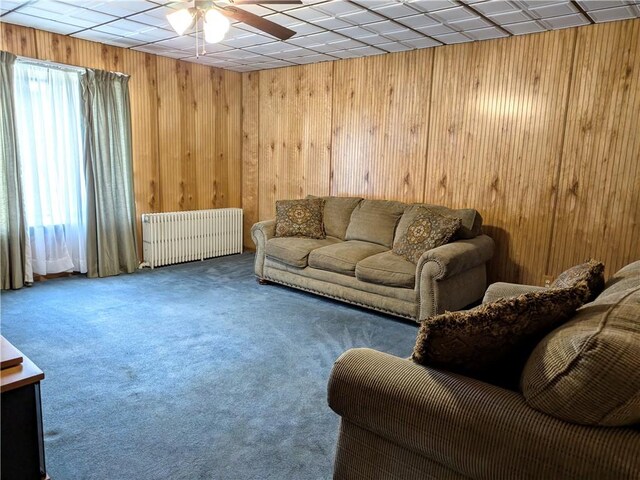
476	429
452	276
505	290
260	233
452	258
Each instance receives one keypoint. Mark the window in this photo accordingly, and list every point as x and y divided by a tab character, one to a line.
50	134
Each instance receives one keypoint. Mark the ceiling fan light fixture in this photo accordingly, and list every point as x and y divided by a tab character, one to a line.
181	20
215	20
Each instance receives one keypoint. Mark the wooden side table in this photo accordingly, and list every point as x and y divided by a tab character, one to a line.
22	434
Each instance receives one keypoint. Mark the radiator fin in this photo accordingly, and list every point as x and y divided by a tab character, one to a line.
177	237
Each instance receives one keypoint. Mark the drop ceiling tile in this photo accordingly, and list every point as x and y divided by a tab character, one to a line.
178	43
589	5
214	48
40	23
296	52
343	44
319	57
418	21
366	51
565	22
555	10
394	47
10	4
337	7
538	3
361	18
123	27
152	48
383	27
524	28
246	40
256	9
510	17
266	49
612	14
344	54
122	9
305	29
431	5
469	24
485	33
118	41
423	42
402	35
453	14
152	35
236	55
331	23
156	17
493	7
354	32
393	10
66	13
450	38
438	29
309	14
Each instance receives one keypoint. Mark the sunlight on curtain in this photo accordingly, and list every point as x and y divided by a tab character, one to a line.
51	149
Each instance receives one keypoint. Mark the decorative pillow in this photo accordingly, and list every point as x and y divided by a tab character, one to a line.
428	230
588	370
493	340
591	271
300	218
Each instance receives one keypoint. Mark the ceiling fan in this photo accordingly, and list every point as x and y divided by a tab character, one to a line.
215	17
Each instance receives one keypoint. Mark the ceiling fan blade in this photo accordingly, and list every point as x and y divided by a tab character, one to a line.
260	23
266	2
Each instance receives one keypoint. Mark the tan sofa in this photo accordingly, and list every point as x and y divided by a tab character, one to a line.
401	420
355	263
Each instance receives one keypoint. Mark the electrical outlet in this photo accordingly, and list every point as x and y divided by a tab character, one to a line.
548	280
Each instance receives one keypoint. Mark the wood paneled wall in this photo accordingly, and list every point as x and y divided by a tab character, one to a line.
540	133
186	120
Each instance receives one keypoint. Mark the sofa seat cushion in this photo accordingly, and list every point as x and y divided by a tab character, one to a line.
375	221
343	257
388	269
295	251
588	370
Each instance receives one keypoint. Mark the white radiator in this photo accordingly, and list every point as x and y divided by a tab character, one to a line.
177	237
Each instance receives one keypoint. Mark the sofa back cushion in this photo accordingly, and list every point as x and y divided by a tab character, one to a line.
426	231
471	219
588	370
337	214
300	218
375	221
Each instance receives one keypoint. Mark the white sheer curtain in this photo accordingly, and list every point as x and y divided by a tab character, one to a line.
50	135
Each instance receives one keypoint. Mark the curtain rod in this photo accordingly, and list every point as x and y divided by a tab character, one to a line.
59	66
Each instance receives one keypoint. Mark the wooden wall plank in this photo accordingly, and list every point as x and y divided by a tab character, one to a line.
176	135
18	40
295	138
380	125
204	80
232	125
495	138
250	136
598	212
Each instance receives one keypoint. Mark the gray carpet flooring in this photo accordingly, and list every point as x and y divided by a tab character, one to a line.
191	371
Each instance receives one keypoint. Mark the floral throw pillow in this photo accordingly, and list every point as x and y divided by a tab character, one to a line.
300	218
591	271
493	341
428	230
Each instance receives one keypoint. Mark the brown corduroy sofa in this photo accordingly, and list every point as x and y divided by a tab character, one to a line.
355	263
401	420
